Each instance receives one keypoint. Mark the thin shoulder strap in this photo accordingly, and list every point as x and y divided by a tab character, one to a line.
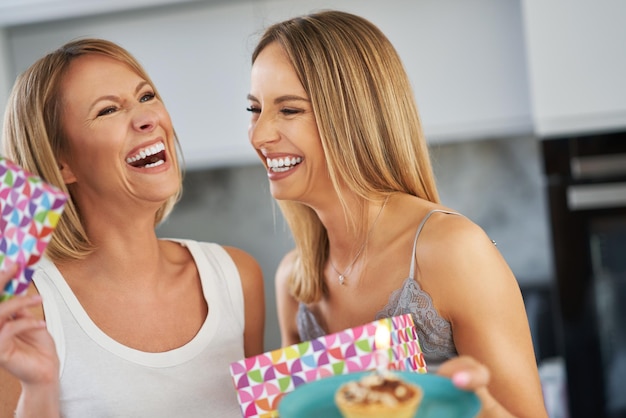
419	229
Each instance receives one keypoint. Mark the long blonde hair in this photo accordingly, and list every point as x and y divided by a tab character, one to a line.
33	135
367	119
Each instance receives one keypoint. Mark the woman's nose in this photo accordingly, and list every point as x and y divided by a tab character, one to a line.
145	120
262	132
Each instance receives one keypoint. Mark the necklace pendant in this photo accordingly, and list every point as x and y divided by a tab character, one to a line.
341	279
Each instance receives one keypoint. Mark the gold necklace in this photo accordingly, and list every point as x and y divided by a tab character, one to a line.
342	276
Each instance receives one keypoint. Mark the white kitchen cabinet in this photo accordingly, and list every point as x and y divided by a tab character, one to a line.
576	54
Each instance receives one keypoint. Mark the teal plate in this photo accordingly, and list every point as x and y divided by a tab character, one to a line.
441	398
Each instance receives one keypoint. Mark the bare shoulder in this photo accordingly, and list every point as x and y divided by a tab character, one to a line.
455	233
250	273
456	256
248	266
239	255
454	236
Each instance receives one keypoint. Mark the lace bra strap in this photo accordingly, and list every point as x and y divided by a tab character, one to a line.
419	229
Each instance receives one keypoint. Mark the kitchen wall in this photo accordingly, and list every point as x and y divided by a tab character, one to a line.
496	182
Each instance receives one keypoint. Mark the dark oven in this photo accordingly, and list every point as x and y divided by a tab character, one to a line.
586	189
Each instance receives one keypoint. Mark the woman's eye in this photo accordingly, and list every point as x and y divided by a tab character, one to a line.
107	111
253	109
288	112
147	97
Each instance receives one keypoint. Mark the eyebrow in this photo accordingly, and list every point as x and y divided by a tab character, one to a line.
282	99
114	98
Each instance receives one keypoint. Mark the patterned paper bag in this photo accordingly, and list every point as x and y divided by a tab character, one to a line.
261	381
29	211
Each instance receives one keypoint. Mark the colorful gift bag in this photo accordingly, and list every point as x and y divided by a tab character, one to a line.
29	211
261	381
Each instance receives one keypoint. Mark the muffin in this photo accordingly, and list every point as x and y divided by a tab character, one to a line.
378	395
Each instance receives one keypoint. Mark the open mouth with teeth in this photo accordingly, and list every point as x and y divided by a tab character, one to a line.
152	156
278	165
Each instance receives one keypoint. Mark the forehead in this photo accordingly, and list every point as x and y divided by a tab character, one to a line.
92	73
272	66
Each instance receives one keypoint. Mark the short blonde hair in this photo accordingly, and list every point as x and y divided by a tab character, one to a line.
33	134
367	119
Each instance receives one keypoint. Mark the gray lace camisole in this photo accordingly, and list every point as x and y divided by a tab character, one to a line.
434	332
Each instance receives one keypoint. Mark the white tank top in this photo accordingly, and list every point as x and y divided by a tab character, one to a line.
102	378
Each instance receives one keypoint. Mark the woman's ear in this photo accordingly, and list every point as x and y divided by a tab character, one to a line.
66	173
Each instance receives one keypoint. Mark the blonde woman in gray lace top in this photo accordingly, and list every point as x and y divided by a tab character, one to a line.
334	120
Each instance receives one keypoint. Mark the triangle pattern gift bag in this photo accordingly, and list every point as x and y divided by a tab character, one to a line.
30	209
261	381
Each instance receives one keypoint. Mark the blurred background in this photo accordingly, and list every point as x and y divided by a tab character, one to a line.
515	96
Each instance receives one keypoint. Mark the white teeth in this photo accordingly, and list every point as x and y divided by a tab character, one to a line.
282	164
154	149
154	164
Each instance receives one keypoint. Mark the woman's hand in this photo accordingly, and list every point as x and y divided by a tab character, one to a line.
28	354
468	374
28	360
27	350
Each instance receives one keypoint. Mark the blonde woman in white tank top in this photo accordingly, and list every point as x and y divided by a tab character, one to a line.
136	326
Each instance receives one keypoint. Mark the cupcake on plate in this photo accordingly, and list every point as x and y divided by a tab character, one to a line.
378	395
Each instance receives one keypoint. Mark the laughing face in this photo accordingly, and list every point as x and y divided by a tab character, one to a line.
120	136
284	132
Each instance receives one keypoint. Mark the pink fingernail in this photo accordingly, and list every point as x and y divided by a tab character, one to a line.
461	379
